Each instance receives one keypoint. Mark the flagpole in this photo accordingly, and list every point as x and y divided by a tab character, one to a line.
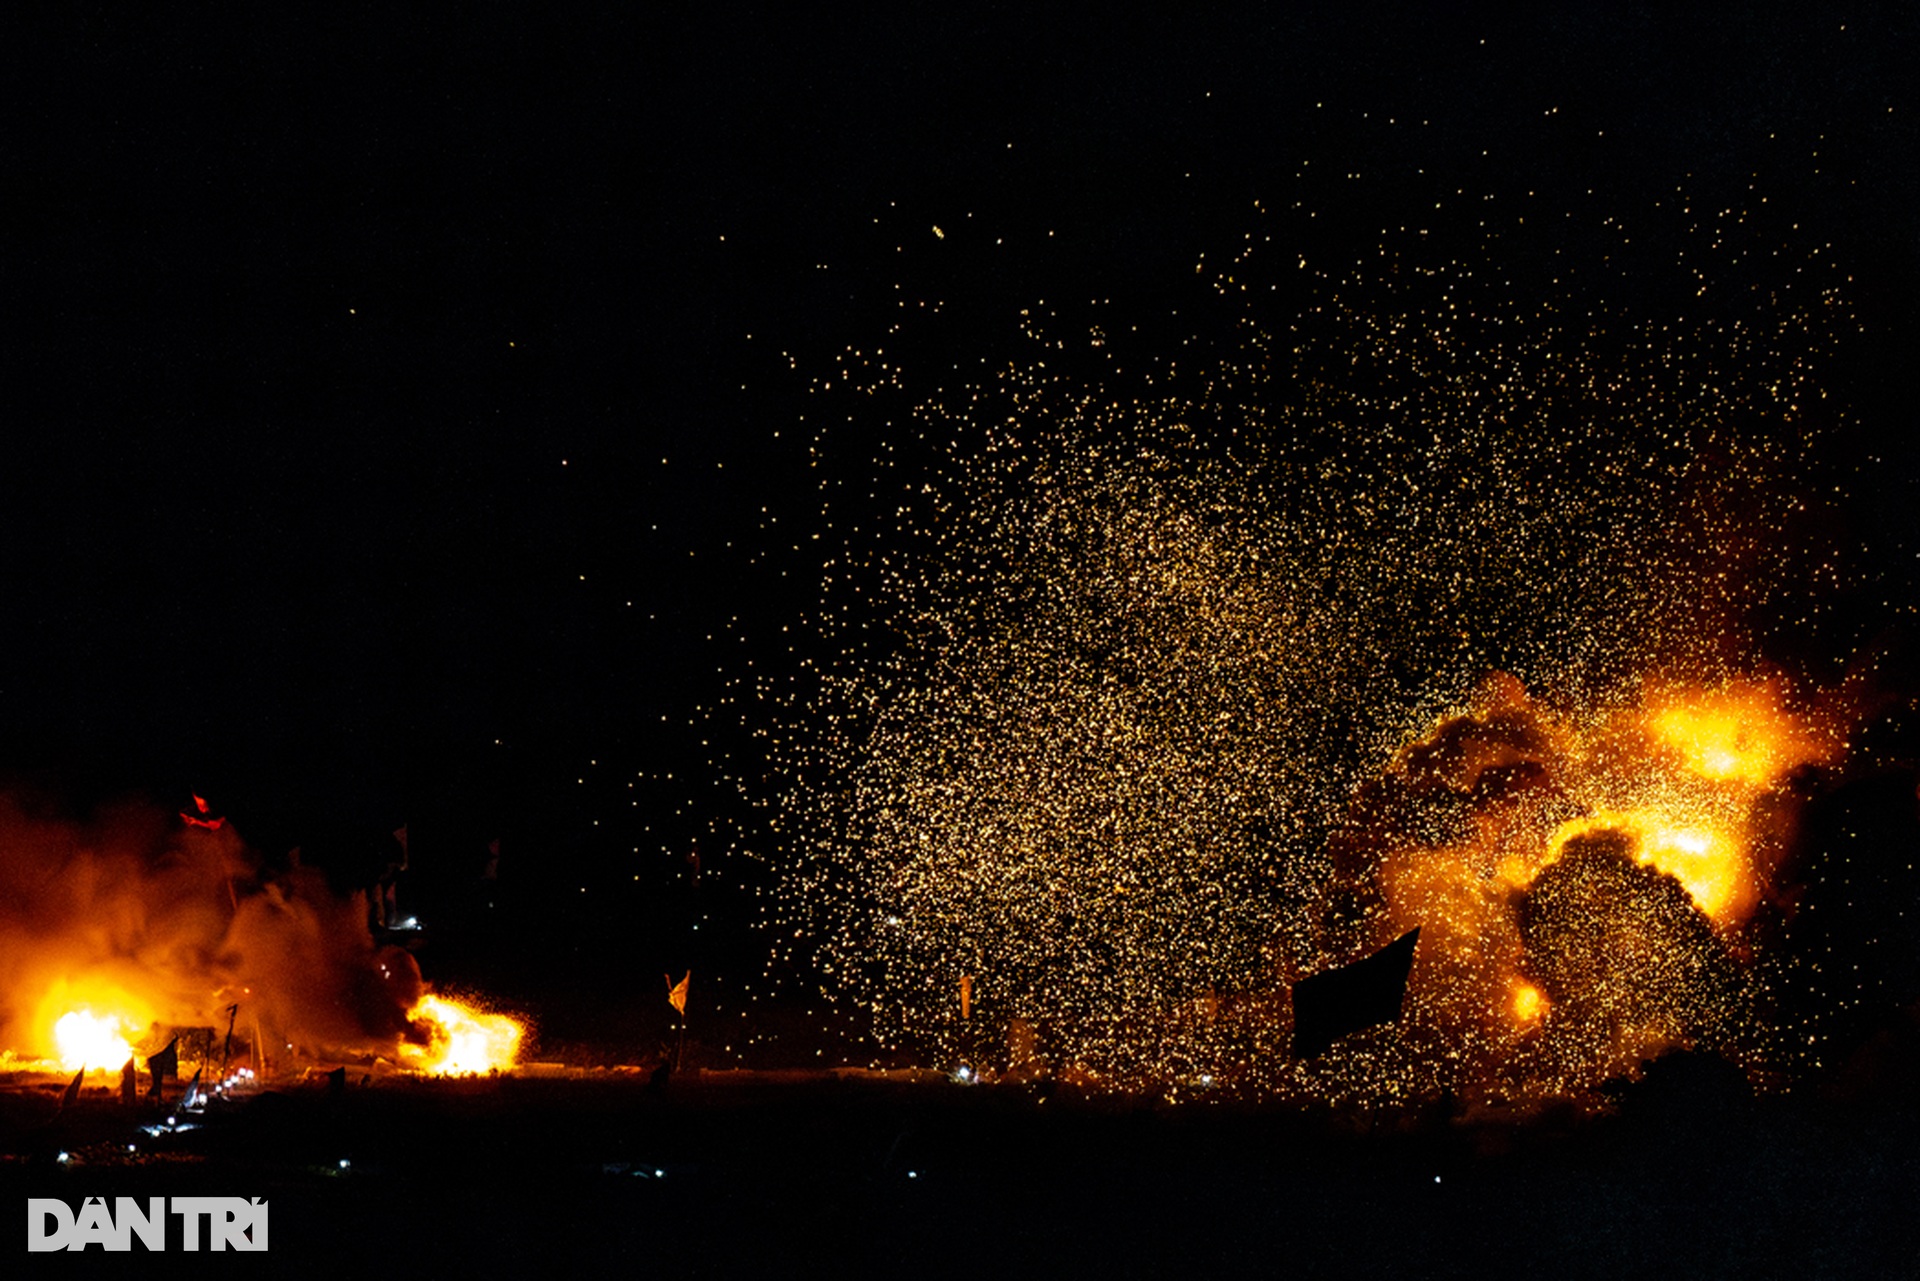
226	1047
677	998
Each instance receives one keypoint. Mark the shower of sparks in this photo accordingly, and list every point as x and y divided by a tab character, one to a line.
1584	889
1407	594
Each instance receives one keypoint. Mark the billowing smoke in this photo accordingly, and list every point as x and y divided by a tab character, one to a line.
1592	889
134	916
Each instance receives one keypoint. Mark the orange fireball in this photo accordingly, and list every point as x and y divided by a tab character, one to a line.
82	1038
462	1040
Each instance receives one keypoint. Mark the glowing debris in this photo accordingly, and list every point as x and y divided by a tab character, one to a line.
1149	675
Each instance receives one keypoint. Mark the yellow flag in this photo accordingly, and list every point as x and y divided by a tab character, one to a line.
966	996
677	993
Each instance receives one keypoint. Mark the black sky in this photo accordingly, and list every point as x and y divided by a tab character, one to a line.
343	349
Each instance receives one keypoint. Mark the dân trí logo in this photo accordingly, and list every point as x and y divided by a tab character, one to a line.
221	1222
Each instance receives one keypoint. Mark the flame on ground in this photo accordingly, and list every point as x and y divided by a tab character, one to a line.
85	1039
83	1022
461	1040
130	922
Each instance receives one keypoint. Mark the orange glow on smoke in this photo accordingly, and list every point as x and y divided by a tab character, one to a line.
462	1040
1738	735
1711	864
1677	778
1683	782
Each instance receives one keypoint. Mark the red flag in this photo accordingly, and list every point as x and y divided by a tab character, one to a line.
677	993
966	996
205	817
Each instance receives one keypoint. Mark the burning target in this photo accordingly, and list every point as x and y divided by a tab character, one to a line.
121	927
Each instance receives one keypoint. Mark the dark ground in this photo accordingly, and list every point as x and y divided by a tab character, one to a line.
790	1176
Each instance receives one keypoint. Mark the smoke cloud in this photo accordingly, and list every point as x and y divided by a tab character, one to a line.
132	913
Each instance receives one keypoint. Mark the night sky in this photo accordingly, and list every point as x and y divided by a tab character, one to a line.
392	402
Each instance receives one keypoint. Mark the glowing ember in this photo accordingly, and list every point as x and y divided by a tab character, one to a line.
84	1039
1146	680
461	1040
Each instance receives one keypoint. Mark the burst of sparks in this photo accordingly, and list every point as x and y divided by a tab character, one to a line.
1123	696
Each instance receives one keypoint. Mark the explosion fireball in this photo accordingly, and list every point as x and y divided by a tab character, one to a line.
1415	596
84	1039
460	1039
1585	904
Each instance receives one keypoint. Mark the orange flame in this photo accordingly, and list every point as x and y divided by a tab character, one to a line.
462	1040
82	1038
1729	745
1709	862
90	1023
1683	780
